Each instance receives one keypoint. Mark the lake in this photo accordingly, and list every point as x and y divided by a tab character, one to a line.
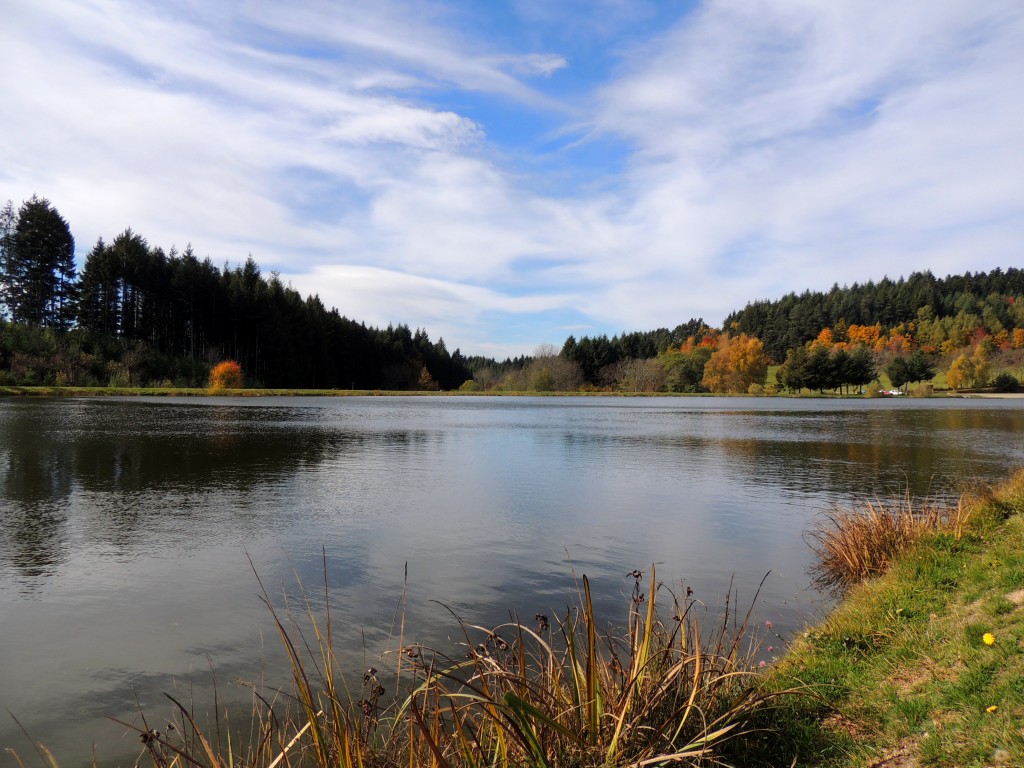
127	526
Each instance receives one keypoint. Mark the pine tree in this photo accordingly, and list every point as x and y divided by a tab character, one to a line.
7	222
37	272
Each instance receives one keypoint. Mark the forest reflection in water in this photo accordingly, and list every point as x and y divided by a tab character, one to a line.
126	524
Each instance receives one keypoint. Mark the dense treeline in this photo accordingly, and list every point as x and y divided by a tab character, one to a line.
795	319
138	315
841	341
598	356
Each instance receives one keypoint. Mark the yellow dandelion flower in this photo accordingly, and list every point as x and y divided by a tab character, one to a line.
988	638
991	709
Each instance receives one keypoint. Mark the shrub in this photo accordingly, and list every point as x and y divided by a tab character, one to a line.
1005	382
923	390
226	375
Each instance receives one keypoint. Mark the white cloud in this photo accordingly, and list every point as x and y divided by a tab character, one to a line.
808	143
771	148
532	64
452	310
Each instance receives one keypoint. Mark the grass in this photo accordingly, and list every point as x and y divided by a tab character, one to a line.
899	673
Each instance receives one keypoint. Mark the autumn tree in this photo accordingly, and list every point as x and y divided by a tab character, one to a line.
426	382
226	375
736	364
967	372
633	375
550	371
960	373
982	369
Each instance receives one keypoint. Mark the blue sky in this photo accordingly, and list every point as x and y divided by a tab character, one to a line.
504	174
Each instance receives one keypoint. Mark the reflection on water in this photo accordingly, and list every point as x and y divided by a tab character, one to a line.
127	524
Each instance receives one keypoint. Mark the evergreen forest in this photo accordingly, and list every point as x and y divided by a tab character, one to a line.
137	316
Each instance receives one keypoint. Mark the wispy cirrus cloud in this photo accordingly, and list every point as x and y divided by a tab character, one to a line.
804	144
504	173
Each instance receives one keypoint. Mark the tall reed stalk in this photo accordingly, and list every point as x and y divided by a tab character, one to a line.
663	689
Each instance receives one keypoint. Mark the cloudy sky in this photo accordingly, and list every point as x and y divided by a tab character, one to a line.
504	173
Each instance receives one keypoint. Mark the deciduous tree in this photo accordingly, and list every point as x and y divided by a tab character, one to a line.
226	374
736	364
960	373
426	381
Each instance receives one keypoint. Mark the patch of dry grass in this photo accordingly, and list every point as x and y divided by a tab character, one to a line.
856	542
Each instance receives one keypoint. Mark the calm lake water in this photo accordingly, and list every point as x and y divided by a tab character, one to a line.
127	525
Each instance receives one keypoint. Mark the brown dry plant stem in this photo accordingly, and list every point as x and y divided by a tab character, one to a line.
662	689
859	541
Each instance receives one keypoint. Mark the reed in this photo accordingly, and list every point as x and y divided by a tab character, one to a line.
856	542
554	693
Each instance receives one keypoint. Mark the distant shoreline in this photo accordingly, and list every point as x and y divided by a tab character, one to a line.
50	391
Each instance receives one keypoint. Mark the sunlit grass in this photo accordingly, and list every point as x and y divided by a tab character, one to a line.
920	666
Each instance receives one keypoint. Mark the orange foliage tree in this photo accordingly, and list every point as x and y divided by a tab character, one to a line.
825	339
868	335
226	375
738	363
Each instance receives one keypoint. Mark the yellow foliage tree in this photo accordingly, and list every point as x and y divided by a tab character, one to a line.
426	381
868	335
226	375
960	373
736	364
982	371
973	371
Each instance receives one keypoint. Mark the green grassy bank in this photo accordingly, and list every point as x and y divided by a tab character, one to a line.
921	666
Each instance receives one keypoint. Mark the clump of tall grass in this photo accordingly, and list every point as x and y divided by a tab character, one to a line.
856	542
554	693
